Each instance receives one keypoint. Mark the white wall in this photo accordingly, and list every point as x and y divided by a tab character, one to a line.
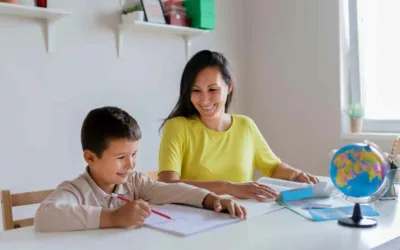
44	97
292	74
293	79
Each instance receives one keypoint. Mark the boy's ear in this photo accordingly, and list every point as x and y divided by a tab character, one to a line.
89	157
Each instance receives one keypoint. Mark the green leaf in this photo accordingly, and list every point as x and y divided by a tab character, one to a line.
356	111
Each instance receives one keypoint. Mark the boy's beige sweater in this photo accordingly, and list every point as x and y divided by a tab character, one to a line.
77	204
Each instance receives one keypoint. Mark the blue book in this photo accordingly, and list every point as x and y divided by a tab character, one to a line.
335	213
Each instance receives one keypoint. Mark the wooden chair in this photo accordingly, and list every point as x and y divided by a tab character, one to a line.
8	201
153	175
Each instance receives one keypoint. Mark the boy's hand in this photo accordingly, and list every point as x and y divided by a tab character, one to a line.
132	214
218	204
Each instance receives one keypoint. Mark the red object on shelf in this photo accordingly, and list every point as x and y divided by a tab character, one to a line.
170	3
177	16
41	3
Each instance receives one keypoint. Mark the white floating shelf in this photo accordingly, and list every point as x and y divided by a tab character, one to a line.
45	14
187	33
35	12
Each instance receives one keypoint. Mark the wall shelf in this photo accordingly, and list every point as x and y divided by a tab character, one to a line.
48	16
187	33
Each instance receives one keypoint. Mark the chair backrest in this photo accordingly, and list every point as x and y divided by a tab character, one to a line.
153	175
8	201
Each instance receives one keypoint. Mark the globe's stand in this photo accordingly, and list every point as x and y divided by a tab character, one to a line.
357	220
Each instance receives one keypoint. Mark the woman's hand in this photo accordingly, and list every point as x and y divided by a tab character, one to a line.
306	177
251	190
285	172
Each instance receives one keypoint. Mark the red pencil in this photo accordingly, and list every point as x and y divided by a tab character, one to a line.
154	211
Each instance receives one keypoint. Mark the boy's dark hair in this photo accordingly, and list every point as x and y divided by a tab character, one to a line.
107	123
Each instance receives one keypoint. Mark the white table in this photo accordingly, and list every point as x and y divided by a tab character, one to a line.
281	229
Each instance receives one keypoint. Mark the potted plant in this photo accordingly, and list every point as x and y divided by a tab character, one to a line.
138	12
356	114
131	14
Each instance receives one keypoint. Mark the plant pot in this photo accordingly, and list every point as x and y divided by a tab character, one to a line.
356	125
128	18
9	1
133	16
138	15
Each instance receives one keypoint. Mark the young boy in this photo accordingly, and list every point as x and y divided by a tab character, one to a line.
110	141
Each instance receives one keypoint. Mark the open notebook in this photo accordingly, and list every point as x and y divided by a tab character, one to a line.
281	185
317	202
320	190
188	220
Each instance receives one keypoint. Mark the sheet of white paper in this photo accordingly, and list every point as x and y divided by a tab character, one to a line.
278	188
282	183
186	226
255	208
189	220
187	212
155	219
301	206
320	189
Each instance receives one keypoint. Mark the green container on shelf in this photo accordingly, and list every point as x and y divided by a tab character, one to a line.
204	21
201	12
197	7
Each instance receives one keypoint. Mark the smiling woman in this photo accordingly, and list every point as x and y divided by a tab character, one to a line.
203	145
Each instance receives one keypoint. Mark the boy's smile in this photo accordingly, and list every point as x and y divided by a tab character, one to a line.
114	165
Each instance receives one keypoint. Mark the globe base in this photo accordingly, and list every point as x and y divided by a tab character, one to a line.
363	222
357	220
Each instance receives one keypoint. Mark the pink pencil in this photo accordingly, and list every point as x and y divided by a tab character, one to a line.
154	211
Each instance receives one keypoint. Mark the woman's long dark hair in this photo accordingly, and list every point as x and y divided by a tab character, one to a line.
197	63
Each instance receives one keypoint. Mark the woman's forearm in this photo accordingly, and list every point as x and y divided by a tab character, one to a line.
285	172
217	187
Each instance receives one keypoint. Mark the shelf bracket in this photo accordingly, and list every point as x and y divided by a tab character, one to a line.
120	42
188	47
48	35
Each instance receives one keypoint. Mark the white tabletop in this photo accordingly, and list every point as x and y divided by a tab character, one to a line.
281	229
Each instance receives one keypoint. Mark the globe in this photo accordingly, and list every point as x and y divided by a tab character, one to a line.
360	172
